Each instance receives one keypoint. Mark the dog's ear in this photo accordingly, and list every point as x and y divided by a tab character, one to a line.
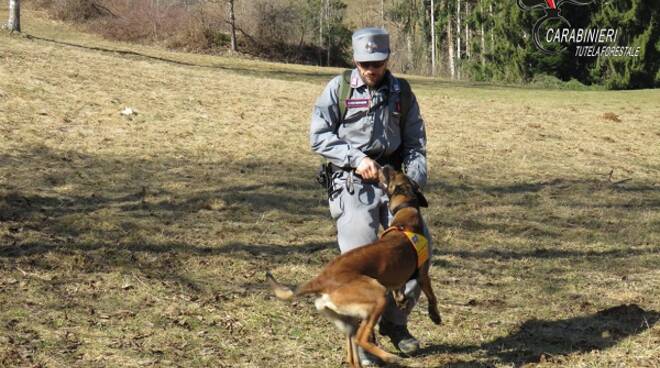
386	174
421	199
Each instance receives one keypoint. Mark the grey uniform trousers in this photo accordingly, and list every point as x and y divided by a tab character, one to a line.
359	215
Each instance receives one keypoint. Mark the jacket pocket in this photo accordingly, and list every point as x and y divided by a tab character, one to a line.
356	128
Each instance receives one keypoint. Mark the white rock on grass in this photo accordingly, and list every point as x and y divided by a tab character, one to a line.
128	112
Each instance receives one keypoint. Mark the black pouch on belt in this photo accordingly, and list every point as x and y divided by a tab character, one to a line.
322	176
325	176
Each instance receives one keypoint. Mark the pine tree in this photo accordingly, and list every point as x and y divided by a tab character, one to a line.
638	24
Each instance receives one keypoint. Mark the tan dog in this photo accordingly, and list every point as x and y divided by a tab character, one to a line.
353	286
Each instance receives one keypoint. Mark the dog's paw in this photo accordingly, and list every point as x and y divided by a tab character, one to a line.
400	363
395	360
435	315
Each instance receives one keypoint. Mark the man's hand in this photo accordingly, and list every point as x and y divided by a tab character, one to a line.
368	169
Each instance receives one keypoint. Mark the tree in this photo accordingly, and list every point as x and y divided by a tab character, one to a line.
638	22
14	23
411	18
327	25
232	25
458	37
450	44
468	51
482	52
432	38
321	16
336	37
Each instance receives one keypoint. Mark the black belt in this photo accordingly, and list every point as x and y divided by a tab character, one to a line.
392	160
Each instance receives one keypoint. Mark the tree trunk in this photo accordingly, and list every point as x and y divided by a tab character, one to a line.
432	38
492	29
468	52
155	5
14	23
382	12
327	28
450	49
458	38
321	34
483	38
232	24
409	49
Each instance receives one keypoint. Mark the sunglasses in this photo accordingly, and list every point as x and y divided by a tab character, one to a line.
371	64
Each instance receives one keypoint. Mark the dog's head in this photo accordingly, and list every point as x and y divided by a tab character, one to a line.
400	189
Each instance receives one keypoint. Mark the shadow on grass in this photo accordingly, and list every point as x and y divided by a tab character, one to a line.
150	216
534	187
162	261
245	251
543	340
140	187
542	253
588	210
151	196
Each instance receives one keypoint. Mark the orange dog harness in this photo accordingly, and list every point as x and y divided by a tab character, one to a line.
418	242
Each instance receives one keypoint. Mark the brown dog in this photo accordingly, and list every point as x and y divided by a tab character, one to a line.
353	286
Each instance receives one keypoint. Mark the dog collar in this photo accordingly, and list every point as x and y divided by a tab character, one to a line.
405	204
418	242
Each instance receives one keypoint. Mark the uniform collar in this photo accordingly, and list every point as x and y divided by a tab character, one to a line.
357	82
356	79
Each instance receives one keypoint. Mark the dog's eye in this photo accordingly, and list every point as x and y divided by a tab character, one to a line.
398	190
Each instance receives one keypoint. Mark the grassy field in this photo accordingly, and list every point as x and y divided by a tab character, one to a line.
142	241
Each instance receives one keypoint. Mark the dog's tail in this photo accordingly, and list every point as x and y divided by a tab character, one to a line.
281	291
286	293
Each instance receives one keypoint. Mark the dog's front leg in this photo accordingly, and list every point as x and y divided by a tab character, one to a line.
400	299
425	284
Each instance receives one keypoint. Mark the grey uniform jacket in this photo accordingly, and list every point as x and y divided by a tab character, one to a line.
371	127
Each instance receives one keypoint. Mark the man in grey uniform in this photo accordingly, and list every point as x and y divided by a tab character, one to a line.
374	131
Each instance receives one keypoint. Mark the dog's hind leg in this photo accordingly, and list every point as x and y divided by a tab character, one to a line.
364	331
373	301
352	356
349	351
346	323
362	298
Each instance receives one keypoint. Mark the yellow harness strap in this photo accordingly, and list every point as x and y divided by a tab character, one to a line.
418	241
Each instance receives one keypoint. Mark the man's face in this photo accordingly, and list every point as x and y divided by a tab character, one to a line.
372	72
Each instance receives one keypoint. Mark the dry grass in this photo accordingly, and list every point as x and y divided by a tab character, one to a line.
143	242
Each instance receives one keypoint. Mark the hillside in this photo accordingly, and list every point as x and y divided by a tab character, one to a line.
142	240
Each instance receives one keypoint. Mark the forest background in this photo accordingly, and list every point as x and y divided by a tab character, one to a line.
474	40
